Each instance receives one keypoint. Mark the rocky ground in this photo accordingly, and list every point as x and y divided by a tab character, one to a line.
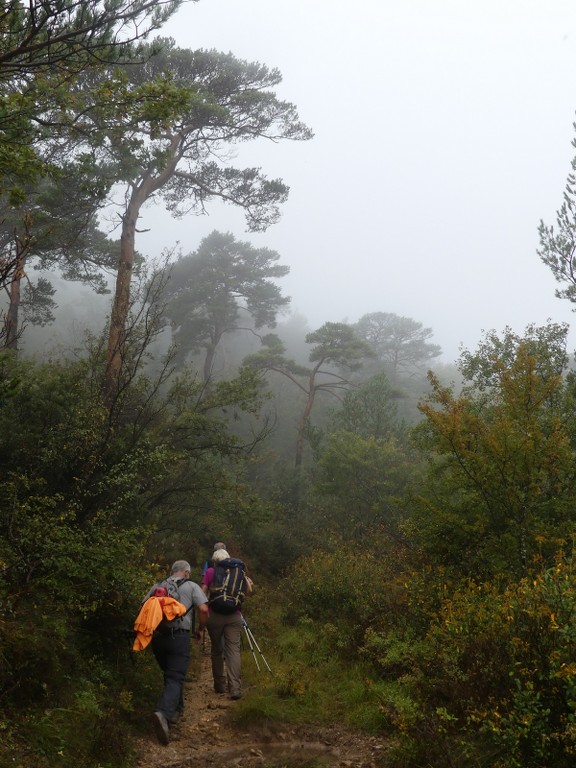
206	737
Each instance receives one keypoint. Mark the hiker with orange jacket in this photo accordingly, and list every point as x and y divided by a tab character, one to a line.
171	647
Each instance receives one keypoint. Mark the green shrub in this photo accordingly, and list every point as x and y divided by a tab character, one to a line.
346	590
495	677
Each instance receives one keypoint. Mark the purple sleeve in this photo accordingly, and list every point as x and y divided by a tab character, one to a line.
208	577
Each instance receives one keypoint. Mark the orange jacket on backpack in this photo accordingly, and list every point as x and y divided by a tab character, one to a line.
151	614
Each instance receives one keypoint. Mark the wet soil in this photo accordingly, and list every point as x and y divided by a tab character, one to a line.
206	736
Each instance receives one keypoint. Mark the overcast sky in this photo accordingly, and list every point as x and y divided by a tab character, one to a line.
443	135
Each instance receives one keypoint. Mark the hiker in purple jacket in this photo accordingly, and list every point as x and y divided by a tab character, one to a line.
225	630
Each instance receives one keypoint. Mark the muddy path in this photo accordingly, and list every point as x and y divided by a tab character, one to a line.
206	736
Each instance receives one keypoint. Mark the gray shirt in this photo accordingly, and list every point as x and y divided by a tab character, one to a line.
190	595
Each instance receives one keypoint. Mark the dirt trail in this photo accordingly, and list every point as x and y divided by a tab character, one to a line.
206	737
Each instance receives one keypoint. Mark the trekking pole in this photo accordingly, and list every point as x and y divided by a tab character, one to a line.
250	644
252	639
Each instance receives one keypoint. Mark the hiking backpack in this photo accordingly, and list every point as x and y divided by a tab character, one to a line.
228	587
170	587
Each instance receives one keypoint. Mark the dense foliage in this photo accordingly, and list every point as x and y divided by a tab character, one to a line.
414	571
93	505
503	456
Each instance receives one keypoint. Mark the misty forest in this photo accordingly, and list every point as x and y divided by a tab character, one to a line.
409	524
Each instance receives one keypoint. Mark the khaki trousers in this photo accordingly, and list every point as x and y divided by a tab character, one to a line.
225	637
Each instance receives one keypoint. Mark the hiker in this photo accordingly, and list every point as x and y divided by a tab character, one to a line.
209	562
225	630
171	647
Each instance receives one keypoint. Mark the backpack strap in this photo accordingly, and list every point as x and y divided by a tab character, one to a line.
178	585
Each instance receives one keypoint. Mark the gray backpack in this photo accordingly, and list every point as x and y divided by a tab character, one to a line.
170	587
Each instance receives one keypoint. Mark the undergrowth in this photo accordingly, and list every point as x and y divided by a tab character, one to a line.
309	682
92	723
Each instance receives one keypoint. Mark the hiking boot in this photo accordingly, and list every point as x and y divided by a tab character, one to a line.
161	727
236	696
175	717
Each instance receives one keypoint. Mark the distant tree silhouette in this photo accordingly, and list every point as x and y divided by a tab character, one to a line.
213	289
336	347
399	342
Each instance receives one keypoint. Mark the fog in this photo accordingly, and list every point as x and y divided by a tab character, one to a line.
443	135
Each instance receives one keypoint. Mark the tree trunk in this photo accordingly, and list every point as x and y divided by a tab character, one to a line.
211	353
209	361
302	426
121	304
11	333
11	319
16	266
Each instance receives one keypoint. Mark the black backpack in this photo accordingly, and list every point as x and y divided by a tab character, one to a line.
228	587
